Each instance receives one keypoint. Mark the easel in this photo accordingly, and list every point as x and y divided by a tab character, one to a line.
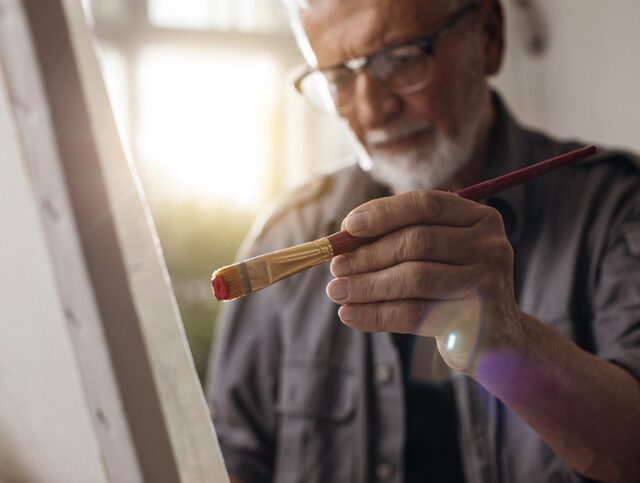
96	377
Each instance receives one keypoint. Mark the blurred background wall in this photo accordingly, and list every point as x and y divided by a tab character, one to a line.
585	81
200	90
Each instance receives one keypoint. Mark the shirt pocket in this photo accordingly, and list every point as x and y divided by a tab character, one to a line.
316	413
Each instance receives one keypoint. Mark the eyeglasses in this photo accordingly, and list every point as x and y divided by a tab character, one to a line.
404	68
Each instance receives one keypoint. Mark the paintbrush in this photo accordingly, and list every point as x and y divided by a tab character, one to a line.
241	279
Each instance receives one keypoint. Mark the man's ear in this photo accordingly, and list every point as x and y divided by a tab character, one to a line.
492	24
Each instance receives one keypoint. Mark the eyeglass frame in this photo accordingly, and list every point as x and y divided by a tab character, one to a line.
426	43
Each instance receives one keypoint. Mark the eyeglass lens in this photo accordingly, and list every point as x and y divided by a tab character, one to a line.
403	69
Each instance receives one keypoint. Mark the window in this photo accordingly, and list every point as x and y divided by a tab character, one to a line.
210	137
241	15
200	92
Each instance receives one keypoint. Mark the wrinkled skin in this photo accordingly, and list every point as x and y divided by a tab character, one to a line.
443	268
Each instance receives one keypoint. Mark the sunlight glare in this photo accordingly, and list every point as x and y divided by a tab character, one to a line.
205	123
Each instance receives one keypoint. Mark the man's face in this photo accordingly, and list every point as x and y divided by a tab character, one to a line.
417	140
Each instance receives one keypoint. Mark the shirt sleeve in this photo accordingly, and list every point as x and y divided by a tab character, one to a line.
241	385
617	318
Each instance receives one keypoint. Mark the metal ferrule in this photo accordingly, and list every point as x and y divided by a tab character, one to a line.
272	267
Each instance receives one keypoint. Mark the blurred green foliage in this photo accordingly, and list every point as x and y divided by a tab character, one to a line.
196	239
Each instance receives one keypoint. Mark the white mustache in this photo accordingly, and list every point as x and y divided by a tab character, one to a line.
393	133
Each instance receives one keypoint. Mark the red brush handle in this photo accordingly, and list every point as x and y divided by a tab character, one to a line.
343	241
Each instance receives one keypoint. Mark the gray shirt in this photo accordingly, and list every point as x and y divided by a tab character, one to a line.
296	396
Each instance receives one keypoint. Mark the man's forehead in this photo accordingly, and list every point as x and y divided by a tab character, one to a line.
365	25
335	7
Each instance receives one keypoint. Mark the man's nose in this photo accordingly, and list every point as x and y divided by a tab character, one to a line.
374	102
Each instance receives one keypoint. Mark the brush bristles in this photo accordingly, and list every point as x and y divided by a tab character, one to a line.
231	282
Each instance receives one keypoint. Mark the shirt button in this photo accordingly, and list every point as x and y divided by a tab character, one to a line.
383	373
384	471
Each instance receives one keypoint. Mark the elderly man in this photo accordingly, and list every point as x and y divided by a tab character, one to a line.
532	298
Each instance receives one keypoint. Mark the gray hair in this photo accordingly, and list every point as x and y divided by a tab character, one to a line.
294	7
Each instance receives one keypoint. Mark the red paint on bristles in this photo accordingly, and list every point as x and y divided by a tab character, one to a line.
220	288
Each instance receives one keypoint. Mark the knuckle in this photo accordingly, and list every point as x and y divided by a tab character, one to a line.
385	211
436	205
420	199
394	312
501	252
499	260
466	282
493	219
403	247
415	312
398	316
484	280
427	203
367	259
422	238
505	254
380	315
412	242
371	287
420	278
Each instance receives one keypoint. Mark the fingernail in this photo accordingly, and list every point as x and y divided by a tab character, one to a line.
348	313
338	289
341	266
357	221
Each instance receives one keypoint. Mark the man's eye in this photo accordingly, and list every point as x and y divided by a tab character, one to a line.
404	54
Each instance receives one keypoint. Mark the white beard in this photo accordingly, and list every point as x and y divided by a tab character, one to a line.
425	166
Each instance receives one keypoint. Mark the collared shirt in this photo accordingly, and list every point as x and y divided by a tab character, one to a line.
296	396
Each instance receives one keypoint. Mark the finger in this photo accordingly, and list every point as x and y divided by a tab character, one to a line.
420	317
401	316
408	280
435	243
431	207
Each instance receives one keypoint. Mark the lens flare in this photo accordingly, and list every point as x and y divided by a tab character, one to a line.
451	341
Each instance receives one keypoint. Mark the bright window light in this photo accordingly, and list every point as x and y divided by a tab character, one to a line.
205	128
241	15
194	14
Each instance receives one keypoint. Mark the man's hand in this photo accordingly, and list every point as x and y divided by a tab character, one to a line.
442	268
